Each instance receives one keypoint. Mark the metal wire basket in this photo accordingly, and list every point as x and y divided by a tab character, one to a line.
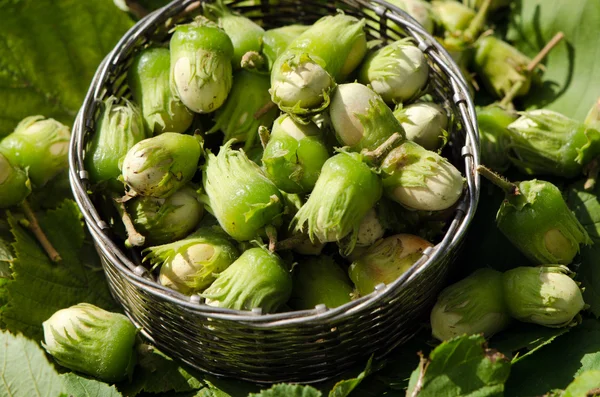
300	346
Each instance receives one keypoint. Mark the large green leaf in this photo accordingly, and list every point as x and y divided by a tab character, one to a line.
522	340
462	366
586	206
49	51
570	82
41	287
24	369
288	390
75	385
554	366
157	373
586	384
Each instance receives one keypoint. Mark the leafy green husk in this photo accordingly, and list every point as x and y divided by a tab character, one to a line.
345	191
494	137
453	16
545	142
237	117
76	338
148	78
14	184
294	155
420	179
474	305
257	279
356	102
193	263
385	261
275	41
39	146
500	66
118	129
244	33
544	295
334	60
319	280
398	72
161	165
539	223
201	71
163	221
239	194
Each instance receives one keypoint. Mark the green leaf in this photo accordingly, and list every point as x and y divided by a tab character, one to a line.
570	82
586	384
41	287
49	51
459	367
344	387
586	207
554	366
157	373
75	385
25	370
288	390
522	339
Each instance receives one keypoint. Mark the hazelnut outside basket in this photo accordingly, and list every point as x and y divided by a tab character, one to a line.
300	346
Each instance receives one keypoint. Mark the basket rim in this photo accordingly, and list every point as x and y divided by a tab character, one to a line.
320	314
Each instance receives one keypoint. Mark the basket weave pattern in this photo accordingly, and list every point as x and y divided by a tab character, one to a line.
310	345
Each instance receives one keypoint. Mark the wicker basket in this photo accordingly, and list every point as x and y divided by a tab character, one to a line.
301	346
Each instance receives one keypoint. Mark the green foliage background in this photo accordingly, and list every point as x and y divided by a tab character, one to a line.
49	52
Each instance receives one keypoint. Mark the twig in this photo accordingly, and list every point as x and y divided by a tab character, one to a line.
134	238
499	181
34	226
376	155
514	90
511	94
290	242
545	51
423	365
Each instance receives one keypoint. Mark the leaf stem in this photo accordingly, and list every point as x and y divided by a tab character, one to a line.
377	155
496	179
545	51
511	94
514	90
34	226
290	242
134	238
